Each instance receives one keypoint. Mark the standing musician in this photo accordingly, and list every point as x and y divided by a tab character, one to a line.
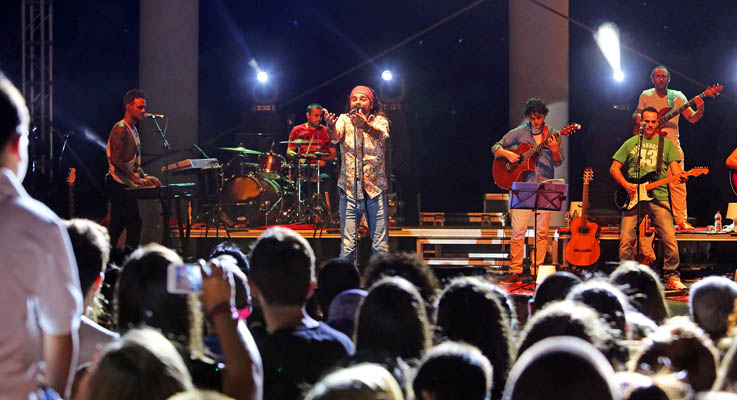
533	132
661	97
658	209
363	117
124	159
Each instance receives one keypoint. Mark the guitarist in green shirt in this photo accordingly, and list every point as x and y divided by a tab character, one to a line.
645	147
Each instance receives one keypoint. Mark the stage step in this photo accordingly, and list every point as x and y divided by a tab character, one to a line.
488	248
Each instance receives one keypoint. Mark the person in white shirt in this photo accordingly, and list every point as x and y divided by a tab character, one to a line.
40	299
660	97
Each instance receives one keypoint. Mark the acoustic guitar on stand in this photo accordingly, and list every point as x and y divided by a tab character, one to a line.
583	248
665	114
645	185
506	173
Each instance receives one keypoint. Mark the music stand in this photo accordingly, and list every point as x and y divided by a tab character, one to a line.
537	196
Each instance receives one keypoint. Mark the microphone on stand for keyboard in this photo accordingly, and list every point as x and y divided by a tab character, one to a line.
150	115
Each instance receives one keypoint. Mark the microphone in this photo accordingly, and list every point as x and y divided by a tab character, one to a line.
642	127
149	115
354	111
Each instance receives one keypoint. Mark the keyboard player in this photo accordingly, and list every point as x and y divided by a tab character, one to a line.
124	171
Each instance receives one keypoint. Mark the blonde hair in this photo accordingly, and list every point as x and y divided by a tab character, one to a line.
364	381
143	365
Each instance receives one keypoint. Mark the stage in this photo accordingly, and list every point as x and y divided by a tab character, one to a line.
482	250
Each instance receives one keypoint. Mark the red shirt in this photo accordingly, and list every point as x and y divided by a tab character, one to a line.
320	142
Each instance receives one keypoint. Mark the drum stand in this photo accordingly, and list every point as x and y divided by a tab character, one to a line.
316	207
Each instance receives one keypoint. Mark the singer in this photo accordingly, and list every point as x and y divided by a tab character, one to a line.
660	97
533	132
362	133
124	160
658	209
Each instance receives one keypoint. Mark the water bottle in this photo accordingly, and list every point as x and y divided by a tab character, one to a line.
718	222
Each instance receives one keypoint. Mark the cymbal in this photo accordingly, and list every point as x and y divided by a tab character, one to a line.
316	154
297	141
241	150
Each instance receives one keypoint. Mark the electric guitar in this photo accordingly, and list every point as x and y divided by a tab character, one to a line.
583	248
71	179
505	173
665	114
645	185
733	180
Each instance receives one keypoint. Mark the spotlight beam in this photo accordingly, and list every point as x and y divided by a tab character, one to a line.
607	38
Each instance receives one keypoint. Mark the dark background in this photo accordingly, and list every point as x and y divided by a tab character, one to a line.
455	75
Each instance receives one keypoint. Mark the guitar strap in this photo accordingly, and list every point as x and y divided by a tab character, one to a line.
671	95
660	155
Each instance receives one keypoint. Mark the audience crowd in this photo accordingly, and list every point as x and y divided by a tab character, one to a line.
267	323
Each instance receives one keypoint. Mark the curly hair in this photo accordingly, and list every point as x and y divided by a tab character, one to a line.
535	105
409	266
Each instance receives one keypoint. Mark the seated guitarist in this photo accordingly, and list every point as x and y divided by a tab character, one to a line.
533	132
658	209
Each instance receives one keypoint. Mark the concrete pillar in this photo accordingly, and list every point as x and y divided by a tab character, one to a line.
538	67
169	38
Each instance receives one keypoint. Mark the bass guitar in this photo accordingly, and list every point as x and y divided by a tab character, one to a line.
644	187
665	114
583	248
647	236
505	173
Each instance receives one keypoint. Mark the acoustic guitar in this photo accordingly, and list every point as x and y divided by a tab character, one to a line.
583	248
644	187
506	173
665	114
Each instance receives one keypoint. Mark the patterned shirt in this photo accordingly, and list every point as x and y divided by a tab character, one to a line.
371	160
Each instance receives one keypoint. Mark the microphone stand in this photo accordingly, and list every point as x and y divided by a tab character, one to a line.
167	149
357	223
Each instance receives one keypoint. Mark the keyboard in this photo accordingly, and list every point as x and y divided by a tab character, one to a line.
192	164
164	191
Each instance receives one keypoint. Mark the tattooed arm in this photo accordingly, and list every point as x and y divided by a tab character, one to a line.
123	150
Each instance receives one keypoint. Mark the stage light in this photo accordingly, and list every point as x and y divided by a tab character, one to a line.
262	76
386	75
607	38
618	75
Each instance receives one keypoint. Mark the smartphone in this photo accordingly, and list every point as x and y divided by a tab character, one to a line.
183	278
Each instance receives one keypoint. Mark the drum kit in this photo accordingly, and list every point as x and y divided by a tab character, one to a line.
265	188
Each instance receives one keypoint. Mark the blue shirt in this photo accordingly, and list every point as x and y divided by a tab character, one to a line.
545	165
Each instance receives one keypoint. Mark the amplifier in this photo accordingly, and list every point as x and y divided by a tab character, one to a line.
496	202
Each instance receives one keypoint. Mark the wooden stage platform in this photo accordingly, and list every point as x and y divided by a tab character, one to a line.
481	248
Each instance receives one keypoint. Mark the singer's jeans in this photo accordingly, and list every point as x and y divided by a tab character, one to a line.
376	216
662	220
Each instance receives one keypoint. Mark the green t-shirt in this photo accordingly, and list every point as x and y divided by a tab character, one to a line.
627	155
